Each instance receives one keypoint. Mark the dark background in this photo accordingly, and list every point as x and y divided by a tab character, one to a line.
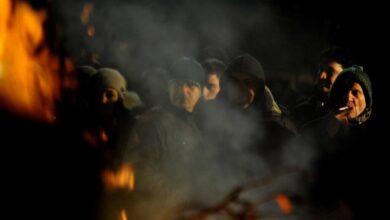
43	166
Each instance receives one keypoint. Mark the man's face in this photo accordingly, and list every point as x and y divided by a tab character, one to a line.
328	74
211	90
184	94
105	102
109	96
242	90
356	101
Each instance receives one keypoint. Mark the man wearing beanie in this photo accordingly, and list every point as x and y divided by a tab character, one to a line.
350	101
243	115
353	92
108	108
166	141
342	146
332	61
165	132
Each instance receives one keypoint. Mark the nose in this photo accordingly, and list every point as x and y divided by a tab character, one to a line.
350	95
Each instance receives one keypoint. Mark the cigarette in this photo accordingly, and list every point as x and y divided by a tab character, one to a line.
343	108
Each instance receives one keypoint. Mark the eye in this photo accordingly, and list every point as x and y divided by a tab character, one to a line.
111	95
329	71
356	92
209	86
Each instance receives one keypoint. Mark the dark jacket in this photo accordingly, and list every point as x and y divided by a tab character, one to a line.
309	109
164	135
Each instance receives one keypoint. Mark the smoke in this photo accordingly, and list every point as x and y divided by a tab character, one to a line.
197	177
134	36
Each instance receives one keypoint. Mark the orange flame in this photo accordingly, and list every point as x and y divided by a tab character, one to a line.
91	31
29	72
87	9
123	178
103	136
123	215
284	203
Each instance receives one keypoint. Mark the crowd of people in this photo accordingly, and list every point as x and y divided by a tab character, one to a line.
203	113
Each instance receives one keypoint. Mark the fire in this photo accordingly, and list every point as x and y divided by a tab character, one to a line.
91	31
87	9
123	215
84	17
284	203
103	136
123	178
29	71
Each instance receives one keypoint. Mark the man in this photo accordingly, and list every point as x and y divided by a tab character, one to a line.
351	97
342	143
214	69
162	135
166	143
109	107
333	60
243	116
350	103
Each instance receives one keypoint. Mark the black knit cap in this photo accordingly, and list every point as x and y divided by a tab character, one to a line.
245	64
186	68
344	83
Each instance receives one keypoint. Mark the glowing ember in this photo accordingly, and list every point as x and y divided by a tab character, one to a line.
123	178
29	71
103	136
284	203
123	215
91	31
87	9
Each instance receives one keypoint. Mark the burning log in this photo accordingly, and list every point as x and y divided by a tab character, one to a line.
284	203
234	207
123	215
